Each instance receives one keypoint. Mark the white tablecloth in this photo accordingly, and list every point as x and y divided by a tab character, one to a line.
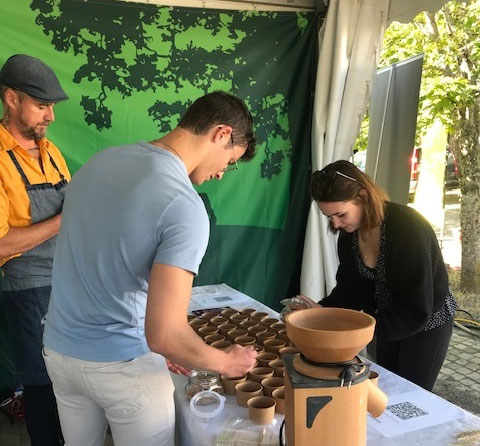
426	419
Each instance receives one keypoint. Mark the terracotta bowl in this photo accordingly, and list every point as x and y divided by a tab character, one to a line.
329	334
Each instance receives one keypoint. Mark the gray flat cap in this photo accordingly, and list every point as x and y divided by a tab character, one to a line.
32	76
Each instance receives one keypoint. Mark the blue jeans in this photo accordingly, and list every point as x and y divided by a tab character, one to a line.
25	310
135	397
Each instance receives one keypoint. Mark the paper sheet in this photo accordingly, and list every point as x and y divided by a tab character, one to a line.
217	296
414	410
235	437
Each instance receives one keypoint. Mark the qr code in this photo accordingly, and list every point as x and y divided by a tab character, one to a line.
222	298
406	410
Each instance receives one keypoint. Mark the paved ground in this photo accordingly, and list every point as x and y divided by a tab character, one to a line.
459	379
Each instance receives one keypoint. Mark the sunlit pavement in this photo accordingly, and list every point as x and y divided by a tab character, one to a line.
459	378
442	209
449	235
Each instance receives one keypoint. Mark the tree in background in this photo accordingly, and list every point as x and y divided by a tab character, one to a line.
450	92
179	55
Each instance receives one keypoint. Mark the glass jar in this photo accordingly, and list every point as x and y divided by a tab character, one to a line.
292	304
199	380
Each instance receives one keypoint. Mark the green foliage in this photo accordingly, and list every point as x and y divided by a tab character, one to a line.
450	93
178	54
362	138
450	42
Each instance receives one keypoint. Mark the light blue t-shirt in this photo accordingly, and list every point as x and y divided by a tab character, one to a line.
127	208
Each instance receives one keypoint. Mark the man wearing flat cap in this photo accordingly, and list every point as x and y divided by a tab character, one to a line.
33	178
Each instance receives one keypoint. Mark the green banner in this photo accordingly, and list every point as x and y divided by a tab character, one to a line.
132	69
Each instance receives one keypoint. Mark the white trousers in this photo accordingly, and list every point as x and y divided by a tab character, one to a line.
135	397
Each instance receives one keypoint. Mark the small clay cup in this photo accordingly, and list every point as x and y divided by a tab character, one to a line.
245	340
237	318
259	315
247	323
247	390
210	339
277	326
269	321
226	327
230	383
196	323
282	334
221	345
273	345
207	315
248	311
256	330
262	337
235	333
270	384
279	397
288	351
278	367
207	330
259	348
261	409
227	312
259	373
217	320
264	358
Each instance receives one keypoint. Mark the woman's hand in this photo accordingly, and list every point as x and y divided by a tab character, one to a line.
307	301
299	302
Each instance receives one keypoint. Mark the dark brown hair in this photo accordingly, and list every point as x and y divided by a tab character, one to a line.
222	108
343	181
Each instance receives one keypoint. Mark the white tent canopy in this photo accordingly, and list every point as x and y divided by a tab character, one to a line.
405	10
399	10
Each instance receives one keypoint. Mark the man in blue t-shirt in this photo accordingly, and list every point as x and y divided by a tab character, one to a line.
133	234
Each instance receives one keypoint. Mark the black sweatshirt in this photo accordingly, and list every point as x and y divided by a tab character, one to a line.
415	280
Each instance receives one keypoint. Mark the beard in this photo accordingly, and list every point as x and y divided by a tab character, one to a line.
32	132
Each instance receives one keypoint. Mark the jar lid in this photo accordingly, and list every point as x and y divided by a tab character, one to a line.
203	376
207	404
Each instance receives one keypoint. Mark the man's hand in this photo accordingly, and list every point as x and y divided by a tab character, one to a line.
240	360
177	368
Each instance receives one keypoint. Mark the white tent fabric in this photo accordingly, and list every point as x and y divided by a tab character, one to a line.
349	41
400	10
406	10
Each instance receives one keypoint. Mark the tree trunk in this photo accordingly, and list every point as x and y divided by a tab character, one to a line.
470	224
466	147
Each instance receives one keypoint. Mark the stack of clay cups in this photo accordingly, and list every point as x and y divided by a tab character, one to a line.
261	390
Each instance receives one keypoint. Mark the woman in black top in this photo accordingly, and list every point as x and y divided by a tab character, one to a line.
391	267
